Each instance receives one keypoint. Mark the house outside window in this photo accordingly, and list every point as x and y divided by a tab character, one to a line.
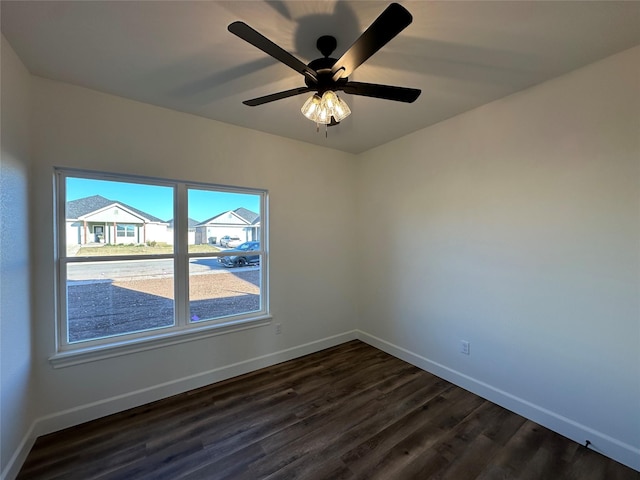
132	267
240	222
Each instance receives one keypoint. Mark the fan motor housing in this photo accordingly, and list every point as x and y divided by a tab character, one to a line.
325	78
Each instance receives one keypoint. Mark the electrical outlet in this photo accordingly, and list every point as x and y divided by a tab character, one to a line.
278	328
464	347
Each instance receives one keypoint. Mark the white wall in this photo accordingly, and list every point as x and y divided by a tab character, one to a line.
16	388
311	280
516	227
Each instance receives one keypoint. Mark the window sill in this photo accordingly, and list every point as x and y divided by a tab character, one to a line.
92	354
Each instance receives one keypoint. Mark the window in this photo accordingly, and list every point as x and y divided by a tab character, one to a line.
125	230
142	259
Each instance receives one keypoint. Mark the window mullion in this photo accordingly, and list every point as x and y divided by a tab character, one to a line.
181	265
62	337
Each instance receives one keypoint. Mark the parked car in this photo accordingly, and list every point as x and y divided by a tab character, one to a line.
234	242
228	241
242	256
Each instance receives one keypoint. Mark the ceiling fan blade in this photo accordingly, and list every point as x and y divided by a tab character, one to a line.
276	96
387	92
258	40
390	23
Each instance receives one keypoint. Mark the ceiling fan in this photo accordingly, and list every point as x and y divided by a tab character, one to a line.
327	75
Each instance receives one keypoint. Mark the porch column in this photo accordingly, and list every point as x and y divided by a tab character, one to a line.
84	224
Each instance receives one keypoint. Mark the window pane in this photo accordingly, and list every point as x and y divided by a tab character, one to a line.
224	219
105	217
216	291
115	298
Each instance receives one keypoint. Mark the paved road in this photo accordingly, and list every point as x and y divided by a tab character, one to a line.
92	271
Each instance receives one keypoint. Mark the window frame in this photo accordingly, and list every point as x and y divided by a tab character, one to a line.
126	228
183	329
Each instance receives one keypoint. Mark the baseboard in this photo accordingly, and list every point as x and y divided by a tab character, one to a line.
84	413
600	442
14	464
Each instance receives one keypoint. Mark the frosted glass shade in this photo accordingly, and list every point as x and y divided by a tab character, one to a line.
311	107
320	110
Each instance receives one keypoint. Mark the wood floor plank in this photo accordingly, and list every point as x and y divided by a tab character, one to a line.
349	404
348	412
229	430
393	449
346	430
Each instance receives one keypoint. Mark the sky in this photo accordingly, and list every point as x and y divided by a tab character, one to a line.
158	200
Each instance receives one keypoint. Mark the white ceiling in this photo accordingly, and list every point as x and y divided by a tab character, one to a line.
179	55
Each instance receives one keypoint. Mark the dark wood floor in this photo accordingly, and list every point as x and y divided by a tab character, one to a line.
347	412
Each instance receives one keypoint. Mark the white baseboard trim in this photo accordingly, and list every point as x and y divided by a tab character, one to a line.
600	442
11	470
84	413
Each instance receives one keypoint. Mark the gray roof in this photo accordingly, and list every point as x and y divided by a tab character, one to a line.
84	206
190	222
252	218
248	215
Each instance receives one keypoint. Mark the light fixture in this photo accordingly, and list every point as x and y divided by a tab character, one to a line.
326	109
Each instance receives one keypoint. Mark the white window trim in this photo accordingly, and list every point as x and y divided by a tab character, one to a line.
150	342
183	330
